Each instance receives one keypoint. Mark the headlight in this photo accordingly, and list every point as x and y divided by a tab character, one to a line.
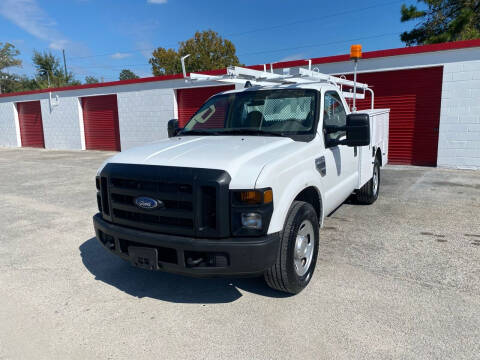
251	211
252	220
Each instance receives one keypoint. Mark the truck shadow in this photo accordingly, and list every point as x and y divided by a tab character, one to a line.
140	283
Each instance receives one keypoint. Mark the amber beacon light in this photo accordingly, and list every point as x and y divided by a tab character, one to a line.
356	52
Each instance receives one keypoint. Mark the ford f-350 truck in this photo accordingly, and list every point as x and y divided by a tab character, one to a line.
244	187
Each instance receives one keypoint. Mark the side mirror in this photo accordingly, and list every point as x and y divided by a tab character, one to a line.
172	128
358	130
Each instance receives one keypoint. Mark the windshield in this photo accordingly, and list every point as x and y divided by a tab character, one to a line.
265	112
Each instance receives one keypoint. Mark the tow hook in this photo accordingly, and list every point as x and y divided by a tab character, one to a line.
194	262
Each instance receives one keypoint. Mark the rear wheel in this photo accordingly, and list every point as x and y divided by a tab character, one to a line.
298	251
368	194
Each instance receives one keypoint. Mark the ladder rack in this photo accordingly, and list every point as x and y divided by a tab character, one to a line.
241	75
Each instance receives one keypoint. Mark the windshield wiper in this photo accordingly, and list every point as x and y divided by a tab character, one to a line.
198	132
231	132
252	132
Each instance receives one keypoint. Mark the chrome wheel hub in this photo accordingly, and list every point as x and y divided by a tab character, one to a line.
304	244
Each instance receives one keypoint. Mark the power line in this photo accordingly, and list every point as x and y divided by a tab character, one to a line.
319	45
143	66
106	66
113	53
346	12
273	27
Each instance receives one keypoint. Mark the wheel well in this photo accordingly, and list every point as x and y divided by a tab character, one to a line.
378	154
310	195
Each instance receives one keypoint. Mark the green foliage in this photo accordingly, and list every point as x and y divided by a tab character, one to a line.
50	72
442	21
91	80
126	74
208	51
8	55
16	83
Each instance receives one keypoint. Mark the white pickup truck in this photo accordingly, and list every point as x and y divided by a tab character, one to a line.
244	187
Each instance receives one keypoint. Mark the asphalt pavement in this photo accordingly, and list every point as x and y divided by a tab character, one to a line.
399	279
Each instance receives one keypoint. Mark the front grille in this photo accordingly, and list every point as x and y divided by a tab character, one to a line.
133	215
194	202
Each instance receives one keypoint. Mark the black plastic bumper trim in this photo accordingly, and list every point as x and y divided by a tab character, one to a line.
247	255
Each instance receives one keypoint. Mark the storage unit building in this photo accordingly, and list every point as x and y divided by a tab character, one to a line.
433	92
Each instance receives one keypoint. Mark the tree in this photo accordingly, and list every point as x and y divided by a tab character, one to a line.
16	83
8	55
126	74
207	51
91	80
442	21
8	58
50	72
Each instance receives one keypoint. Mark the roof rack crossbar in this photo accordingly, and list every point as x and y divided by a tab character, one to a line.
239	75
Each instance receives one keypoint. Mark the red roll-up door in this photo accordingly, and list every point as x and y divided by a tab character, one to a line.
31	126
100	120
190	100
414	98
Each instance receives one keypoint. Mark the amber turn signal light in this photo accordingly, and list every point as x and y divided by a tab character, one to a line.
251	197
256	196
268	196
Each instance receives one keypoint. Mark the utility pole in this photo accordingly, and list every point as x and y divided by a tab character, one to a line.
64	64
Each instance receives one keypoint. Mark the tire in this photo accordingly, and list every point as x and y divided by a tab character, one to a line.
293	269
368	194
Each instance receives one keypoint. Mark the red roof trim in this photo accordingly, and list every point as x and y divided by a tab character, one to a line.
112	83
322	60
386	53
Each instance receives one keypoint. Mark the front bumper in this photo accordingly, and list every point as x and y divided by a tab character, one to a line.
178	254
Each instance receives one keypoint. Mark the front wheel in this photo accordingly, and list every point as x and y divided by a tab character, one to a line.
298	251
368	194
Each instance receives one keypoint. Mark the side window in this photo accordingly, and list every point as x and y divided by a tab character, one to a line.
333	115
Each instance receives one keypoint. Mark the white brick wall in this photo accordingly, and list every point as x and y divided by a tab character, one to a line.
8	134
145	108
459	137
61	127
143	116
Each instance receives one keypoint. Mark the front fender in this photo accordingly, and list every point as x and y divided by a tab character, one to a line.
287	183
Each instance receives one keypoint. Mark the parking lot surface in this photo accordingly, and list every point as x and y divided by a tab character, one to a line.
398	279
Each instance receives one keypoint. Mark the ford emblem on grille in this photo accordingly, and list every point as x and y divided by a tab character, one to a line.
147	203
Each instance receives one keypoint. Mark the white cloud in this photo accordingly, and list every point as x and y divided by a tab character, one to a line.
292	57
120	55
146	48
27	15
59	44
157	1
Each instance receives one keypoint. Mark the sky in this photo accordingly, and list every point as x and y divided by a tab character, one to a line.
102	37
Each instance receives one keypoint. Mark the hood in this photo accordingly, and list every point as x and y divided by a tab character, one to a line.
243	157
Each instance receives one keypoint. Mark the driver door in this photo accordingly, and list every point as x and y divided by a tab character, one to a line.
340	160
